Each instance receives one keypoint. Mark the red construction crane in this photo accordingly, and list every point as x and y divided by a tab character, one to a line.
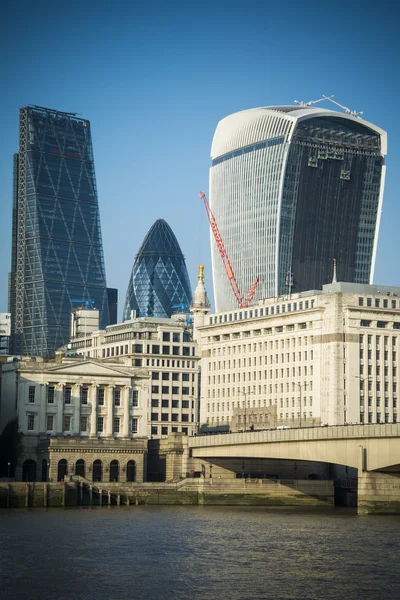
225	258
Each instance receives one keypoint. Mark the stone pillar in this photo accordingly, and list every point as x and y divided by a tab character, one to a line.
75	429
378	493
110	411
59	425
93	414
126	404
43	408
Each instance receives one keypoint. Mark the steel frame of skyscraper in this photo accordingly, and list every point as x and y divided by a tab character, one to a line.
86	250
260	194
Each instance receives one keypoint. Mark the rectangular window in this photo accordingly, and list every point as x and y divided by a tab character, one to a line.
67	394
50	394
185	418
165	389
117	396
164	417
134	425
155	349
361	301
175	403
155	389
175	417
100	424
31	423
175	390
165	403
185	377
138	348
176	337
175	350
67	423
49	422
116	425
185	403
154	416
135	398
31	394
185	391
164	430
165	350
165	376
175	376
100	396
166	336
155	375
154	430
84	424
84	395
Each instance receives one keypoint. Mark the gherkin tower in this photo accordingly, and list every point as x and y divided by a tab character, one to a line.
57	253
159	283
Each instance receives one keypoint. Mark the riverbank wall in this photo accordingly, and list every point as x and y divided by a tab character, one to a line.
240	492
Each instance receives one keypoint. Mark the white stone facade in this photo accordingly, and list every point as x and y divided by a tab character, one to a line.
164	347
320	357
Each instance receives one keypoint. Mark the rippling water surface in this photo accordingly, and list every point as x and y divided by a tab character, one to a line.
232	553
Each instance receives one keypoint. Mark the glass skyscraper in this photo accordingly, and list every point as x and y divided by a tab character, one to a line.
159	284
57	254
292	188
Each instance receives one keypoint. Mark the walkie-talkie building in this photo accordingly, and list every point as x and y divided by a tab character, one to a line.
57	254
292	188
159	285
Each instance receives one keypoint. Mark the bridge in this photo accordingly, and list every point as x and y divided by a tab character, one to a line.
372	449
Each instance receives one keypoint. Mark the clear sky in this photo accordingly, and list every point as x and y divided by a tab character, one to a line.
154	78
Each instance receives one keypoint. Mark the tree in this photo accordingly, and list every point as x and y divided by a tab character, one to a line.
11	447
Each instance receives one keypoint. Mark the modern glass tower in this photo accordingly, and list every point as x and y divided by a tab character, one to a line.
57	254
293	188
159	284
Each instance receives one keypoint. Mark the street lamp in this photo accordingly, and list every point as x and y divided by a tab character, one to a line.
8	469
305	387
243	470
211	466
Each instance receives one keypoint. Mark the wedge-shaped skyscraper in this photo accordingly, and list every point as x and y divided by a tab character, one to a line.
293	188
57	255
159	285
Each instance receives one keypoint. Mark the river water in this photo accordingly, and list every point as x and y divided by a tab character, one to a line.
197	552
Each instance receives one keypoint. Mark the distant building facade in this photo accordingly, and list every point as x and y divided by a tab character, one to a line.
88	418
167	350
292	188
57	254
159	284
319	357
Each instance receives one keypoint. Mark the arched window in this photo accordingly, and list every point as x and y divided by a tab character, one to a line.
62	469
45	474
131	471
114	470
80	467
29	470
97	470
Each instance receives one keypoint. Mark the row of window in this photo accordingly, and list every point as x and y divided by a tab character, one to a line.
138	349
261	403
67	423
379	324
174	403
264	312
261	346
261	375
166	389
166	430
378	302
83	394
271	359
167	336
173	417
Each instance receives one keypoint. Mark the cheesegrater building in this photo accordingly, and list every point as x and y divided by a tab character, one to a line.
159	285
57	255
292	188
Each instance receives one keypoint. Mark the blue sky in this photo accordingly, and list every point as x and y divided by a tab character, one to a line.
154	79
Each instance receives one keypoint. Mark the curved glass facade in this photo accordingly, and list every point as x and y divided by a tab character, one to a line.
159	284
57	253
293	188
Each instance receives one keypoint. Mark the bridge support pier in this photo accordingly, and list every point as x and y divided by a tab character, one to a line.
378	493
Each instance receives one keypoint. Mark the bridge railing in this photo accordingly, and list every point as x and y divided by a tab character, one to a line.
297	434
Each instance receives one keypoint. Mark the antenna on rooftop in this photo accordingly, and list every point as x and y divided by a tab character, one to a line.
352	113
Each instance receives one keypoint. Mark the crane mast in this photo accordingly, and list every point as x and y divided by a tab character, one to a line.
243	303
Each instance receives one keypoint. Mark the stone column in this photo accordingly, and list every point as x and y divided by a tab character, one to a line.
110	411
93	414
59	424
126	404
75	429
43	408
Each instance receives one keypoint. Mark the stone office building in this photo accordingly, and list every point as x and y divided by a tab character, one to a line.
85	417
164	347
320	357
